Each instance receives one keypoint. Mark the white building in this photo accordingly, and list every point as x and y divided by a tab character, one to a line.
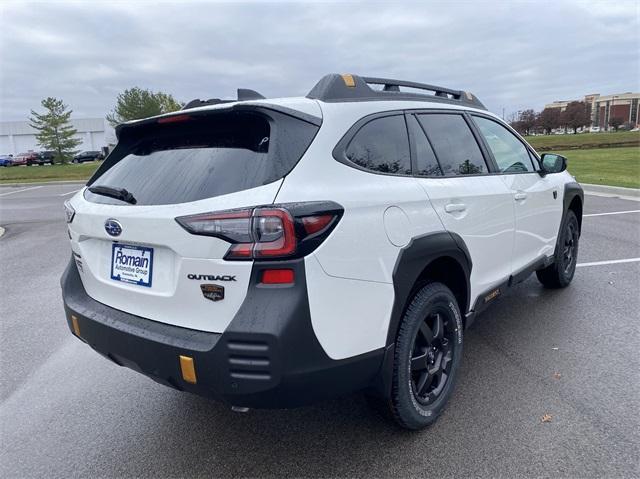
18	136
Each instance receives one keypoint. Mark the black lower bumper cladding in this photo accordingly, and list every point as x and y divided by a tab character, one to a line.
268	357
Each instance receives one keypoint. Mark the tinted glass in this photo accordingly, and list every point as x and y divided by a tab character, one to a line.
426	162
510	153
204	158
454	144
382	145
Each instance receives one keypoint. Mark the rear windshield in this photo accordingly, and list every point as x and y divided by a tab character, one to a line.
203	157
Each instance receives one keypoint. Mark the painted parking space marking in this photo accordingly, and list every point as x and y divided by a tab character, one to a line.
612	213
70	192
609	195
20	191
612	261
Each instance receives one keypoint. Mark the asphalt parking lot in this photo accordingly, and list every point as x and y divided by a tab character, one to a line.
572	354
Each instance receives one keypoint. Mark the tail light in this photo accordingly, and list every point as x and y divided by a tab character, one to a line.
269	232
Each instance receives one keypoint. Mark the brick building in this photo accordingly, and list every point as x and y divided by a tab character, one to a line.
604	107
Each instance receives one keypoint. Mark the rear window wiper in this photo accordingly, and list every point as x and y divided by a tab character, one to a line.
117	193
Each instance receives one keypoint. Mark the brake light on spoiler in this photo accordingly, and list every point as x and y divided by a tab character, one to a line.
268	232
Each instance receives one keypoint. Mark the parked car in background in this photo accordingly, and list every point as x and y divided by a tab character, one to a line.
88	156
6	160
45	157
29	158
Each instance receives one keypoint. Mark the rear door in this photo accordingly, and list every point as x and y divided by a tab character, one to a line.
537	200
470	201
131	252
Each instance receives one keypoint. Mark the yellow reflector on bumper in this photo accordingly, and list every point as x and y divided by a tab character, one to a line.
188	369
74	325
348	80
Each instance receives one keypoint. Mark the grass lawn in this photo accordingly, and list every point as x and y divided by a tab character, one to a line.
34	174
605	166
584	140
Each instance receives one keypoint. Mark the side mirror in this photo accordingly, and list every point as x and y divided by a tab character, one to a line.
552	163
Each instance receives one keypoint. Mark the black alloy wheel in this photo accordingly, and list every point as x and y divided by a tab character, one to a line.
432	356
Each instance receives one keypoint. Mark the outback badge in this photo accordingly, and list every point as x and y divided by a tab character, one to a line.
212	292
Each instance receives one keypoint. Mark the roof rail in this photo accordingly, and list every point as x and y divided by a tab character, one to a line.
244	94
337	88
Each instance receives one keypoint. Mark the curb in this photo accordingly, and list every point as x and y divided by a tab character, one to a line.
37	183
611	190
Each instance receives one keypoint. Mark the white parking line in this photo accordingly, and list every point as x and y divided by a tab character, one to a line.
619	197
20	191
74	191
613	261
612	213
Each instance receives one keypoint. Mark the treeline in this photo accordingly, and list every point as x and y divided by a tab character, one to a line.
576	115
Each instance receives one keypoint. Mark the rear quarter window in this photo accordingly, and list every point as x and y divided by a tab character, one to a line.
381	146
203	157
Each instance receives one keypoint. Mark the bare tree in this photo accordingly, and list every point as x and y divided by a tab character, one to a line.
548	119
576	115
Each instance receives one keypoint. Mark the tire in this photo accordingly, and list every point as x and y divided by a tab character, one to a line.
429	338
560	273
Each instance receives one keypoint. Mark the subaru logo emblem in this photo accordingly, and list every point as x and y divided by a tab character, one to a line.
112	227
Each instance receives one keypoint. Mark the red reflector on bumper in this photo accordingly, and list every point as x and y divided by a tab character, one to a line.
277	276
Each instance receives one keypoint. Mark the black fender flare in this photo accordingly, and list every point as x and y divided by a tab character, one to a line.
571	190
412	261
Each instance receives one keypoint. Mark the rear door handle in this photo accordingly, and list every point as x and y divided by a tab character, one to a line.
455	207
520	196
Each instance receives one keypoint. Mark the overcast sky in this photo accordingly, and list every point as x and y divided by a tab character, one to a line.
511	55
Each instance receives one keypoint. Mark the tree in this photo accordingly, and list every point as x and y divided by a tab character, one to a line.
54	130
615	122
517	125
527	121
136	103
576	115
548	119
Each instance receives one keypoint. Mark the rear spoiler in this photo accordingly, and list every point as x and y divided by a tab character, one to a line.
232	106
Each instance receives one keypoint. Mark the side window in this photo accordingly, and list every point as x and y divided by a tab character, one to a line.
454	144
510	154
426	161
382	145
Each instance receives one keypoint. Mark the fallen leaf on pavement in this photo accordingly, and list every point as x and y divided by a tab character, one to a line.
546	418
557	376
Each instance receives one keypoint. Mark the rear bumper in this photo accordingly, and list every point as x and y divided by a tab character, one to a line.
268	357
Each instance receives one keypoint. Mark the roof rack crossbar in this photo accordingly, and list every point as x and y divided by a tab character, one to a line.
341	88
394	85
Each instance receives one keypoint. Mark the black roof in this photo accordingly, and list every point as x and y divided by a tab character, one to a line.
341	88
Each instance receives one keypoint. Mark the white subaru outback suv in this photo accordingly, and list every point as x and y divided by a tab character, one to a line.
274	252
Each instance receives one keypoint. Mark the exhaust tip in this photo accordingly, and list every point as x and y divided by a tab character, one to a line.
239	409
